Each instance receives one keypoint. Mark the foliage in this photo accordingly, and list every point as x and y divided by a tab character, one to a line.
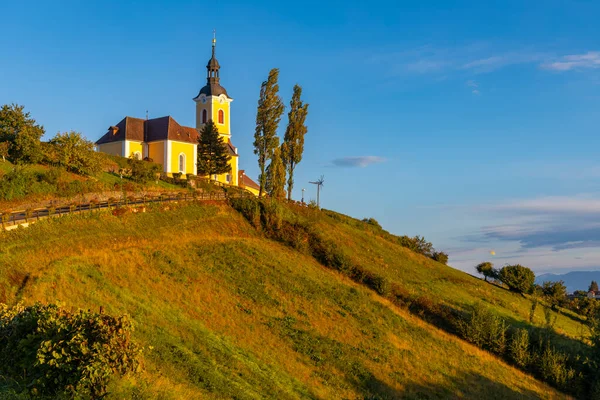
76	154
486	269
484	329
440	256
47	350
4	147
518	278
373	222
593	287
268	115
276	176
213	156
22	132
518	348
293	140
417	244
143	171
555	293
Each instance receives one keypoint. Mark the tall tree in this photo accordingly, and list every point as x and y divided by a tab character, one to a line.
593	287
293	141
275	182
213	156
268	115
76	153
22	132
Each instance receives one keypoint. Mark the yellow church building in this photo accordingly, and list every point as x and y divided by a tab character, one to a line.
174	146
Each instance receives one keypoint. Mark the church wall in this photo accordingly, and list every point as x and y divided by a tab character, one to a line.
133	147
156	151
186	148
216	106
114	148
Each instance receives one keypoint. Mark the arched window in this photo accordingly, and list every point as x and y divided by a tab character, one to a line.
221	117
182	163
204	116
137	155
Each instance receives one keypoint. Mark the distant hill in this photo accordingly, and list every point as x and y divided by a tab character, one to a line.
576	280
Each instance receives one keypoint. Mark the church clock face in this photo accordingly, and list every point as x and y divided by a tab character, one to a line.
203	100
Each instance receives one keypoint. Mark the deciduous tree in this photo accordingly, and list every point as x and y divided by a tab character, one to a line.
518	278
276	176
76	153
487	270
593	287
268	115
22	132
213	156
293	141
4	146
555	293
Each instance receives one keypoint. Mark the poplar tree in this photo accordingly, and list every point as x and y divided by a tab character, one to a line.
213	156
268	115
275	183
293	141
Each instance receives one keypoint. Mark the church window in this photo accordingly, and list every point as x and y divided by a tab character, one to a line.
182	163
221	117
204	116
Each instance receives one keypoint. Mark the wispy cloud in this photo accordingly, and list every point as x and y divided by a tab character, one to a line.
474	87
359	161
588	60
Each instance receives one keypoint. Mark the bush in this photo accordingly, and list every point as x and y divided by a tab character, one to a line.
487	270
49	351
518	278
484	329
553	367
518	348
75	153
555	293
143	171
441	257
373	222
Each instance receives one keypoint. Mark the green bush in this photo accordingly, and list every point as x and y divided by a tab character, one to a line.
484	329
48	351
518	278
518	348
440	257
553	367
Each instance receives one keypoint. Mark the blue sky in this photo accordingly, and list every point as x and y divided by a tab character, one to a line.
473	124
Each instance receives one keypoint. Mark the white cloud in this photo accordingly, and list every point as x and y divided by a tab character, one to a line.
591	59
359	161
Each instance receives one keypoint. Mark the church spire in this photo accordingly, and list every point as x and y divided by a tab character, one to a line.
213	87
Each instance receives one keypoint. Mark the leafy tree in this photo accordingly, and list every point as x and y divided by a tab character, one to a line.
440	256
518	278
21	131
276	176
373	221
487	270
555	293
76	153
268	115
4	146
593	287
213	156
293	141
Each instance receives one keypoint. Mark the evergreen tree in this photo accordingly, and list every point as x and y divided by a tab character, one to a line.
593	287
22	133
268	115
213	156
293	141
275	182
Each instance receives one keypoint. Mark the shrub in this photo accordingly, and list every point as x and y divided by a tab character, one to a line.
373	222
440	256
518	278
484	329
553	368
555	293
518	348
143	171
49	351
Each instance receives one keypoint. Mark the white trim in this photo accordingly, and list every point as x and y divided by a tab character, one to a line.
168	156
145	150
184	162
126	149
195	160
123	147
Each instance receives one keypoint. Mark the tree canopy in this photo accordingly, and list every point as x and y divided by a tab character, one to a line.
518	278
293	141
213	156
22	134
487	270
593	287
555	293
268	116
276	176
75	153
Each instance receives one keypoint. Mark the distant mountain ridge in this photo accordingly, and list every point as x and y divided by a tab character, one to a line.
575	280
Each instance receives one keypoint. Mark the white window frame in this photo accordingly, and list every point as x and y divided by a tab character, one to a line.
182	170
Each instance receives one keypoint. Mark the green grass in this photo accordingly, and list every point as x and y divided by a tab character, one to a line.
223	312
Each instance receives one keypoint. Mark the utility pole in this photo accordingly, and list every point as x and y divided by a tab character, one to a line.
319	182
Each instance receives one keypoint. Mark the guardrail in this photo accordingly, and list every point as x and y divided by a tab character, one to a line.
19	216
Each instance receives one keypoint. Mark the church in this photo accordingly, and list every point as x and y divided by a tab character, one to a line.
174	146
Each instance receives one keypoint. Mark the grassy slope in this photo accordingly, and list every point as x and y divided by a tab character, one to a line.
231	314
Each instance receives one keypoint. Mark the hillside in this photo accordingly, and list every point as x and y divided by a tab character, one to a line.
224	311
574	280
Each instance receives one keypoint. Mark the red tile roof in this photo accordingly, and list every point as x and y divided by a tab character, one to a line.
149	131
244	180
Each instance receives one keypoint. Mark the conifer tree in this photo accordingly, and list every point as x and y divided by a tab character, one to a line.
293	141
213	157
275	182
268	115
593	287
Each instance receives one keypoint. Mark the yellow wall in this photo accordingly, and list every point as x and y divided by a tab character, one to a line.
188	150
216	106
252	190
156	151
135	146
114	148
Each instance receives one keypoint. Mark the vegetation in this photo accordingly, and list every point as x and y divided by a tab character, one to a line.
555	293
143	171
593	287
75	154
268	115
239	304
49	351
276	176
487	270
22	134
213	156
518	278
293	141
